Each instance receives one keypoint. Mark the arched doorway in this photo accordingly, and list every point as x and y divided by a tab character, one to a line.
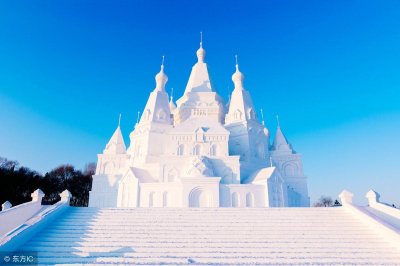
199	197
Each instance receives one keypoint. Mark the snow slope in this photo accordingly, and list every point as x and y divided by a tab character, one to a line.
269	236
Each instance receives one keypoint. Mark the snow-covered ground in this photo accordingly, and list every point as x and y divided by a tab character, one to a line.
265	236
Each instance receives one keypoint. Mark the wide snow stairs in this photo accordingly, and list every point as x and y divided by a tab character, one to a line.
272	236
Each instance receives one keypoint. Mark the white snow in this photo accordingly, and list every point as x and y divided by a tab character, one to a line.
234	236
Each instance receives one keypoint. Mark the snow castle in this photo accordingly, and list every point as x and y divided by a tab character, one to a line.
199	152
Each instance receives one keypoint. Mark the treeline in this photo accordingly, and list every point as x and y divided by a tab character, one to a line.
18	182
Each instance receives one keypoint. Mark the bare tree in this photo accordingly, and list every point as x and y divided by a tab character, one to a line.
323	201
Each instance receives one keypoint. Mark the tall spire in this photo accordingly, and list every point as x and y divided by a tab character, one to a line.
199	80
119	120
201	53
161	78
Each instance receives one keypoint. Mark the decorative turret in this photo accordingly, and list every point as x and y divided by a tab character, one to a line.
241	106
200	99
172	105
248	137
238	77
280	141
161	78
116	144
157	108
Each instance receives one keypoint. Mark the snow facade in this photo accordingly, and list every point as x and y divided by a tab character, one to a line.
199	152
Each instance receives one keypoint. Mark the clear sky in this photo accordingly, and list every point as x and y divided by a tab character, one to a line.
330	69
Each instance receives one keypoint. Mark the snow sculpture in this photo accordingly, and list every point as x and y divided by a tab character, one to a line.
199	153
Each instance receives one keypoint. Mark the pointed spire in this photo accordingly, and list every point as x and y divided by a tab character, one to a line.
119	120
262	117
277	120
280	141
116	144
237	77
161	78
201	53
137	118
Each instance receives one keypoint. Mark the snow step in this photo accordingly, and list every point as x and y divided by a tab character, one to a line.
224	236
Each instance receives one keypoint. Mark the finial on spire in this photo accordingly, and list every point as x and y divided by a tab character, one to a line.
119	120
270	161
236	59
161	78
138	115
277	120
201	39
262	117
172	94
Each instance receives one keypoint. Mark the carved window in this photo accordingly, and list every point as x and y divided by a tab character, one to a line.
181	150
151	199
214	150
290	169
161	115
237	115
172	175
147	114
165	199
250	114
249	200
109	168
197	150
235	199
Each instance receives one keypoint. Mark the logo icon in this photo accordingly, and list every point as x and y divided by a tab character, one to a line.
7	258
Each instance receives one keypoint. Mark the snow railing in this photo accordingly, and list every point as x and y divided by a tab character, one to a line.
28	229
373	201
381	227
11	217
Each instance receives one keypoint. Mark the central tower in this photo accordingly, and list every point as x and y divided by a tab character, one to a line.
199	100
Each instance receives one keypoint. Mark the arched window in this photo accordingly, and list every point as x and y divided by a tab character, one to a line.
235	199
181	150
147	114
250	114
172	175
260	150
109	168
151	199
165	199
237	115
290	169
161	115
196	149
214	150
249	200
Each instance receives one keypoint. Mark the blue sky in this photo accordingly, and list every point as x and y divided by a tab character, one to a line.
330	69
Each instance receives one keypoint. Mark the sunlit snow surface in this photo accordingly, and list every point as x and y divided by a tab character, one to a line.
234	236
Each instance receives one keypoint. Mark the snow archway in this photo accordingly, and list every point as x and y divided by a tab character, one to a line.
199	197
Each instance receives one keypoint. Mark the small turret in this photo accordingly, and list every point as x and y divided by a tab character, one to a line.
157	108
116	144
280	141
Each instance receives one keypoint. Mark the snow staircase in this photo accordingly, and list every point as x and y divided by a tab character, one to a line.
234	236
